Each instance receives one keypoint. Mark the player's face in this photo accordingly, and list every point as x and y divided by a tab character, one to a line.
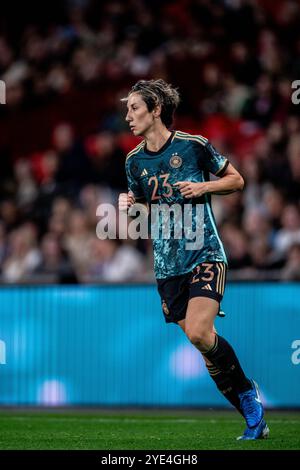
139	118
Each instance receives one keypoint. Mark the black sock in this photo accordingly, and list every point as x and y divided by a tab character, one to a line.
222	356
224	384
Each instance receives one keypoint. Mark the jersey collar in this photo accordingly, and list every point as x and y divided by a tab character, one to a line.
163	148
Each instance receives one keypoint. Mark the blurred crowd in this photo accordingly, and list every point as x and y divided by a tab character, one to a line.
233	61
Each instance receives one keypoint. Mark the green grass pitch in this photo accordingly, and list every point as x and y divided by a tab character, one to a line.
147	430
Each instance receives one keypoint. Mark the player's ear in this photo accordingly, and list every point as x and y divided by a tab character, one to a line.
157	111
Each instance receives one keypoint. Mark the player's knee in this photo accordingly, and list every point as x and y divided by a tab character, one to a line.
199	337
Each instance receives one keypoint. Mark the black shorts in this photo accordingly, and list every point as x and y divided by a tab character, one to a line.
206	280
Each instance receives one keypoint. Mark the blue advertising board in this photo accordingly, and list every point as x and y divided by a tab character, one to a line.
110	346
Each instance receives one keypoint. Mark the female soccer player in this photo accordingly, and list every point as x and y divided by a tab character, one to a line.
171	169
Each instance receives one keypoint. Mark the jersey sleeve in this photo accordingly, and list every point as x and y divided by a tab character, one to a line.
133	184
214	162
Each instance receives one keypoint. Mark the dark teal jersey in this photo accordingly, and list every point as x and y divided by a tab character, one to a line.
151	177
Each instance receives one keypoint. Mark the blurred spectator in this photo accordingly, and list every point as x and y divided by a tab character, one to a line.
262	256
245	67
273	202
236	244
2	244
235	95
107	160
10	214
291	270
54	265
114	262
261	106
26	186
74	169
77	241
294	167
257	225
23	254
253	190
289	234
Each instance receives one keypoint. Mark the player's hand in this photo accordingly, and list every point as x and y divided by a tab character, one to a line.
189	189
126	200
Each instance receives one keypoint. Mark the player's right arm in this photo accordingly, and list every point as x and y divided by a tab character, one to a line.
135	192
126	200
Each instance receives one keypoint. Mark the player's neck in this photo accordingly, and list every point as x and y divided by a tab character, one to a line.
156	138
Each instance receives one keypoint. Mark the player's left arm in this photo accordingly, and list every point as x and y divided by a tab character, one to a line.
230	181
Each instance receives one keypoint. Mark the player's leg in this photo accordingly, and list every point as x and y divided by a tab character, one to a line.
199	328
206	292
199	321
175	293
224	384
221	379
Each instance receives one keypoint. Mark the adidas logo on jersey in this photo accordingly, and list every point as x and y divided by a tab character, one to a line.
206	287
144	172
